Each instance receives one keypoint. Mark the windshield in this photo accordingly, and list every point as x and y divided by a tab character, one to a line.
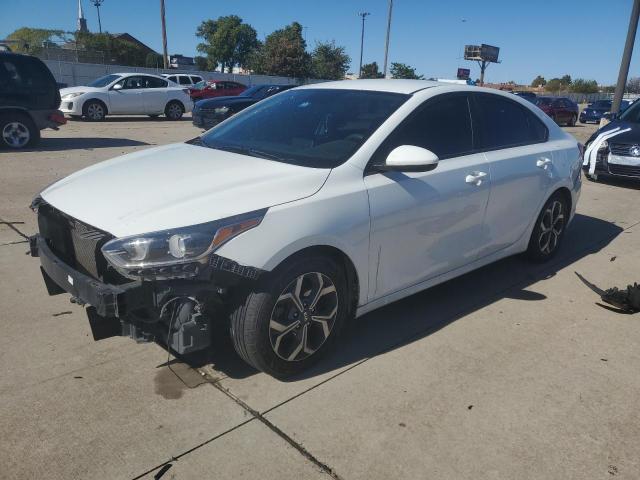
257	91
103	81
544	101
632	113
316	128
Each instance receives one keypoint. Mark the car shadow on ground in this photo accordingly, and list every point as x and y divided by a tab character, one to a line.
631	183
137	118
85	143
424	313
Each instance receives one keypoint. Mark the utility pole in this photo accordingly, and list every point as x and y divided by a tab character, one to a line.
363	15
97	4
165	57
386	44
626	57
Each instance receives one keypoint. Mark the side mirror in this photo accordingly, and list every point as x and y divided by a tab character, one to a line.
117	86
409	158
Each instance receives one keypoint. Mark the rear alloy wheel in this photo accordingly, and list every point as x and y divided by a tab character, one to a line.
18	131
174	110
94	111
287	324
549	229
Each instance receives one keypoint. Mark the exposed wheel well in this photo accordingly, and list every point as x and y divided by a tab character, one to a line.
564	191
87	102
343	260
14	110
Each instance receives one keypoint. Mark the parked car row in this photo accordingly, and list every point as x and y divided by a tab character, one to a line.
593	112
561	109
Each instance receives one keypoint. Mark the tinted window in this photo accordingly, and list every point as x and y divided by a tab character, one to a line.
632	114
184	80
196	79
153	82
104	81
131	83
504	123
173	79
27	82
442	125
316	128
544	101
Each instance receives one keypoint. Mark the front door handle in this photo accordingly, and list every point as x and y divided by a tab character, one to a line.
543	162
475	178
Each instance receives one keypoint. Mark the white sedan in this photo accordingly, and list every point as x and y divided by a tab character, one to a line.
308	208
126	94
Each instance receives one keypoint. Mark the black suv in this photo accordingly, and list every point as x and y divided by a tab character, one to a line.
29	100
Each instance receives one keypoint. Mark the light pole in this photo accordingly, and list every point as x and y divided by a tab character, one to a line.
97	4
386	44
626	57
363	15
165	56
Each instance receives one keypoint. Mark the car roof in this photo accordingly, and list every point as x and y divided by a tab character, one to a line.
379	85
135	73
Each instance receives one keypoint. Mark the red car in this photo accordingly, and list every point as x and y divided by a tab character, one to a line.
561	109
215	88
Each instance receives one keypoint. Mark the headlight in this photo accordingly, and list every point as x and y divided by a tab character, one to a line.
604	145
69	96
175	253
221	110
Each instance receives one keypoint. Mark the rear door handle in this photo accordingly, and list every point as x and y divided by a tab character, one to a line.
543	162
475	178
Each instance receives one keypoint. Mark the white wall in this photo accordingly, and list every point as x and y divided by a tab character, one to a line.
74	74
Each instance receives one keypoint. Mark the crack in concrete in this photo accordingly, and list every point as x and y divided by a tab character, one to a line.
11	225
14	243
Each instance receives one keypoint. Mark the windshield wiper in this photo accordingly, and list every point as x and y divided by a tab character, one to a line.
248	151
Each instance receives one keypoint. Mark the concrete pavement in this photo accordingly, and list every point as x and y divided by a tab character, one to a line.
509	372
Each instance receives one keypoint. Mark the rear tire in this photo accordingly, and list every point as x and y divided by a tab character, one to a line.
293	317
174	110
17	131
572	122
549	229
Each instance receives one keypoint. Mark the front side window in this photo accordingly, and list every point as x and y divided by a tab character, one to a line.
184	80
131	83
195	79
173	79
318	128
442	125
503	123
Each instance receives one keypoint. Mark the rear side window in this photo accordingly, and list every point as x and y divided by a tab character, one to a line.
173	79
196	79
442	125
503	123
185	80
153	82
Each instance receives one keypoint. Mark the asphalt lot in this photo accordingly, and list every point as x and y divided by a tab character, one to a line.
509	372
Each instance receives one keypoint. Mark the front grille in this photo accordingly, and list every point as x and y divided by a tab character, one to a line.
627	170
621	149
75	243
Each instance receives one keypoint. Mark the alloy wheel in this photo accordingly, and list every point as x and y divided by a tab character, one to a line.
95	111
551	226
16	134
174	111
303	316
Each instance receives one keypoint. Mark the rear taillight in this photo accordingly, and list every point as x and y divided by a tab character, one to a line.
58	118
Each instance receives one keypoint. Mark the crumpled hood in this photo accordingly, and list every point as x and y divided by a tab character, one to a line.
65	91
177	185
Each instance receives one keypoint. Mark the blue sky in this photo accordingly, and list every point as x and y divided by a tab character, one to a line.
584	38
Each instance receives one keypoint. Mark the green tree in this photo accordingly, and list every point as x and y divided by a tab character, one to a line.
633	85
329	62
580	85
371	70
283	53
32	40
115	50
538	81
566	80
401	70
227	41
153	60
553	85
201	62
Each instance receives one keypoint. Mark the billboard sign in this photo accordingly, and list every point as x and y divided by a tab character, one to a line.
463	74
489	53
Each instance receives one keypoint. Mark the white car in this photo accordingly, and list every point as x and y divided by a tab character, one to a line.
183	78
313	206
126	94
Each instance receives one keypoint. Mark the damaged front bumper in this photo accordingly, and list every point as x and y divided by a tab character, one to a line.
176	312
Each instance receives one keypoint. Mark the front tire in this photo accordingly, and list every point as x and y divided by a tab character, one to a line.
17	131
174	110
293	317
572	122
94	111
549	230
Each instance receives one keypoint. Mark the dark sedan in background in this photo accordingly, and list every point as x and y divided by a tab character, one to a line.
208	113
596	110
561	109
